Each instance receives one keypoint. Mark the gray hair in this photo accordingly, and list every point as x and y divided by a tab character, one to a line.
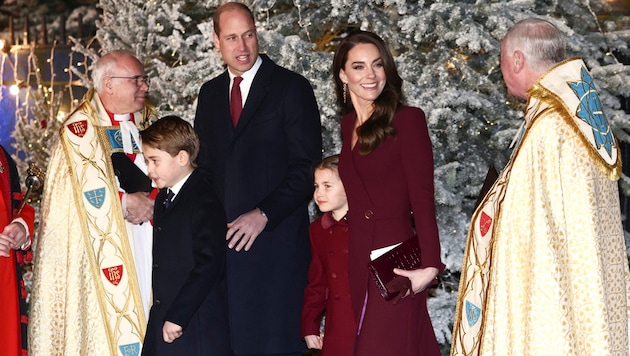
105	66
540	41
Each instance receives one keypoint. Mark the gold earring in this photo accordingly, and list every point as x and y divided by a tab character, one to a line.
345	92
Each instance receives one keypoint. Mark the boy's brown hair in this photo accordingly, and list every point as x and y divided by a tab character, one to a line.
172	134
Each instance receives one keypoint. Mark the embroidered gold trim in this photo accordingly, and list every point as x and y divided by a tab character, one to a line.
105	231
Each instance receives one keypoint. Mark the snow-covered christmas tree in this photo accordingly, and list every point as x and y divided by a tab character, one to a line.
447	52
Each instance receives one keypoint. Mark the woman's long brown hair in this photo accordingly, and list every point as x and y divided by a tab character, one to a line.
378	126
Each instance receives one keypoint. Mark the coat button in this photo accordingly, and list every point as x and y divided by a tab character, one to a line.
158	229
155	265
368	214
156	302
334	275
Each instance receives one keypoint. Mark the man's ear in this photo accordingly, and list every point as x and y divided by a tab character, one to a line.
217	43
519	60
108	85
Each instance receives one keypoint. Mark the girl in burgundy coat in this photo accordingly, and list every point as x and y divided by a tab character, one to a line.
328	288
386	165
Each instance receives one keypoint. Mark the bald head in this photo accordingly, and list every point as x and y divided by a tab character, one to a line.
541	42
115	79
106	65
530	48
227	7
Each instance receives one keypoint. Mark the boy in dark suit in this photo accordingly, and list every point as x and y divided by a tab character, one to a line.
189	312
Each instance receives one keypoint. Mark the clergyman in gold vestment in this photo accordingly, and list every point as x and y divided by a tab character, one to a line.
545	270
92	264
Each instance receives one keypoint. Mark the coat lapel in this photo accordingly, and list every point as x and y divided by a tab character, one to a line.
256	96
221	101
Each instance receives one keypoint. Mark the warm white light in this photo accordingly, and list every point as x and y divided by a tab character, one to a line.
61	115
14	90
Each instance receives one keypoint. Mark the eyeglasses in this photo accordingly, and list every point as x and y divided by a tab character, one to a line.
140	79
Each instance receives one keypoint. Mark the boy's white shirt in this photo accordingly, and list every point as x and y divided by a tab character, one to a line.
178	186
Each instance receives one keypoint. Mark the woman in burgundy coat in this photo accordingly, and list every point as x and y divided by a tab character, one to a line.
386	166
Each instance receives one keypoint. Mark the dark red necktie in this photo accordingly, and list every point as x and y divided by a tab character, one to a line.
236	101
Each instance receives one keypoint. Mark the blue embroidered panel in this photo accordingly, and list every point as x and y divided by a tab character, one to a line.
473	313
115	139
590	111
130	349
95	197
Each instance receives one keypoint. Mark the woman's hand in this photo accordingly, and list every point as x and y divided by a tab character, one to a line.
420	278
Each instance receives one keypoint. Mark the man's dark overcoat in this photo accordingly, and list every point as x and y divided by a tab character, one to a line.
264	162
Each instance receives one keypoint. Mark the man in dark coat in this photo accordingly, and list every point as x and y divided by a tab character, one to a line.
260	165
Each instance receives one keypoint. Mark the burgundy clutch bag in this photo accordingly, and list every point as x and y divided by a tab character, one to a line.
404	256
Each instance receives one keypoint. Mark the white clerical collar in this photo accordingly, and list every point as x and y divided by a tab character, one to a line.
122	117
128	130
